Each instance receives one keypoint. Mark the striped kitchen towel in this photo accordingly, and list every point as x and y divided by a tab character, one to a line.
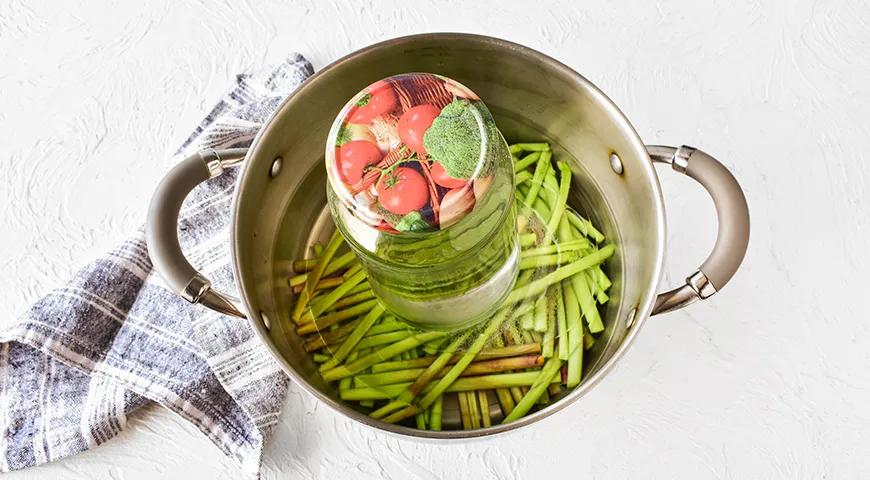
114	338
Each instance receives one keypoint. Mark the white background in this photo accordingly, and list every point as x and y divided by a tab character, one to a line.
769	379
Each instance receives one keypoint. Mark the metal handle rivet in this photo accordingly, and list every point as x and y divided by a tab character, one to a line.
629	319
616	164
276	167
266	322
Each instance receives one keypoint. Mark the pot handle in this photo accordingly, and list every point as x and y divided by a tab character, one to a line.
161	228
732	239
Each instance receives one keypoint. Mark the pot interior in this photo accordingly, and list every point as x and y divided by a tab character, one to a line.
533	98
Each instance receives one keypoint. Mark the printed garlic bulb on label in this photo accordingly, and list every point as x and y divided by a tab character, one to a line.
480	186
455	205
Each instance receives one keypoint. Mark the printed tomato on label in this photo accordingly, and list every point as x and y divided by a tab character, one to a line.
380	99
440	176
353	157
413	125
402	191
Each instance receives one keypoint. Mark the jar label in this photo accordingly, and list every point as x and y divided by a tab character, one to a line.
412	153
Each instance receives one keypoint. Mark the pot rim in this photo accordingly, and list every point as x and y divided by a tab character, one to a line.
643	310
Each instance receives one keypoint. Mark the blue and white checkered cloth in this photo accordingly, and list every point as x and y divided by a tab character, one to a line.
114	338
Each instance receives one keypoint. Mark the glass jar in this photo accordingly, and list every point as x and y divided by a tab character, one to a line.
421	186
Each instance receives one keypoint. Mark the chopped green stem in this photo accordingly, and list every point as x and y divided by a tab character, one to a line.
333	336
588	340
528	240
540	208
335	265
385	339
522	220
346	383
464	411
466	359
380	355
541	307
563	247
543	379
349	300
524	278
333	296
474	409
340	263
554	260
316	273
570	310
354	338
527	320
421	378
318	296
575	336
566	234
365	403
432	348
522	309
521	165
320	358
386	325
585	226
587	304
530	147
517	394
554	295
435	416
561	323
490	354
561	201
323	284
538	286
602	280
550	188
475	368
505	400
352	271
362	287
590	282
298	280
334	317
301	266
483	382
512	335
523	177
529	337
541	168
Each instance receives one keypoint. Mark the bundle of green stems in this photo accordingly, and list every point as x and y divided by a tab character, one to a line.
526	352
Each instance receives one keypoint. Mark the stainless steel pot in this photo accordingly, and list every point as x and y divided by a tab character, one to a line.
280	200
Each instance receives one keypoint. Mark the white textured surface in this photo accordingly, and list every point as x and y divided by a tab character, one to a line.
770	379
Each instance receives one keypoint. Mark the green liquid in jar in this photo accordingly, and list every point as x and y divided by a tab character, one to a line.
453	277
